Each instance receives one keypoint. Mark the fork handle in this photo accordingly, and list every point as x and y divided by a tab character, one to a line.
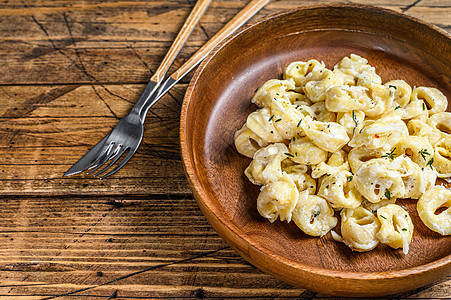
247	12
191	22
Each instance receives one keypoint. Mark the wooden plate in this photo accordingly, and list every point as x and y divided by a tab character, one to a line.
218	101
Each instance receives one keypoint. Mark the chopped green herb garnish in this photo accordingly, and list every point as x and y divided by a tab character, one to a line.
349	178
397	107
299	123
424	106
383	217
289	154
423	153
256	89
354	117
387	194
404	229
391	154
392	86
277	94
317	213
430	163
270	118
277	120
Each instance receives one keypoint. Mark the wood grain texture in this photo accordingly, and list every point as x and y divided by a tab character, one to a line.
69	71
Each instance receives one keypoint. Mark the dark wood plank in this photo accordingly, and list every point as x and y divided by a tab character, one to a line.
140	246
46	129
123	42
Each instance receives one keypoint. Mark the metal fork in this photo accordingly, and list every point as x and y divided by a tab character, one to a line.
127	135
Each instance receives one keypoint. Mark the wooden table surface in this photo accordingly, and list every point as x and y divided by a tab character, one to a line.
69	70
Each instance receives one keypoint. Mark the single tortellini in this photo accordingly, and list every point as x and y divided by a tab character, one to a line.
430	210
299	71
415	109
266	166
335	183
402	92
278	199
381	96
273	88
285	118
303	181
417	148
304	151
350	120
358	156
338	189
422	129
396	227
441	125
328	136
434	100
359	68
359	228
247	142
442	158
347	98
260	123
376	181
313	215
383	133
316	90
411	175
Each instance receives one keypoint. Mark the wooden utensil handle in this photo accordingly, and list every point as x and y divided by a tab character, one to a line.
191	22
231	26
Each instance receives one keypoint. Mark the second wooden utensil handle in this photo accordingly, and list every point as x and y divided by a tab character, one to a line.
191	22
233	24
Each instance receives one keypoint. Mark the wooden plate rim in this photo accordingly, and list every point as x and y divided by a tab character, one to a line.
223	224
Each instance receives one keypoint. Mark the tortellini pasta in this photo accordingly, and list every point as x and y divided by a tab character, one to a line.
314	215
396	227
359	228
377	179
267	164
306	152
328	136
278	199
247	142
429	207
433	99
339	145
